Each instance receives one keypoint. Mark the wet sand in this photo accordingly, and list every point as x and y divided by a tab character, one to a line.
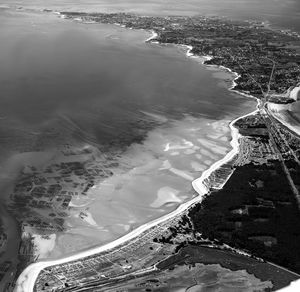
153	178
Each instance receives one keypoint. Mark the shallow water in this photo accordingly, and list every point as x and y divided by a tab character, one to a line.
66	84
63	82
152	179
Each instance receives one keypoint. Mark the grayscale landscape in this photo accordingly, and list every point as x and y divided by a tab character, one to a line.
149	145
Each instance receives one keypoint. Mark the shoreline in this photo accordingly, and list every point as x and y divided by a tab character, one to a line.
208	58
27	278
279	111
153	36
279	116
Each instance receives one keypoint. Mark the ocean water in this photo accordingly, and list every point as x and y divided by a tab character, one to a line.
92	82
164	116
68	84
161	116
281	13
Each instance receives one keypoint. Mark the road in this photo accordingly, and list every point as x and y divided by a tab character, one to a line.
26	280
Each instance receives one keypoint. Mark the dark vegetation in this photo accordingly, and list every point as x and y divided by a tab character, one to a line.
248	48
241	211
195	254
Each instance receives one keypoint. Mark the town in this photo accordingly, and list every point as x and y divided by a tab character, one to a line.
249	48
251	212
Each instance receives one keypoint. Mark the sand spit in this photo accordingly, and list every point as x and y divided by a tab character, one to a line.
26	280
281	112
293	287
152	37
294	94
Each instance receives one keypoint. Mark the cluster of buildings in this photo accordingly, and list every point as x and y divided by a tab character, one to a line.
133	257
244	47
255	145
265	149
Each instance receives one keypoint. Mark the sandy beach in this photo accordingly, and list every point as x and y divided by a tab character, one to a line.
284	113
27	279
294	94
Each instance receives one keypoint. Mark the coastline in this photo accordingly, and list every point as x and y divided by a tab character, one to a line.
153	36
26	280
281	111
280	114
208	58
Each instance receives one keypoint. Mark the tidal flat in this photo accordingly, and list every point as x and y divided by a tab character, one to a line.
109	105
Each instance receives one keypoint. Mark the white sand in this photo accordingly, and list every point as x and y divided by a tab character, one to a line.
165	195
293	287
175	137
90	220
153	36
43	244
77	206
279	112
185	145
295	93
87	217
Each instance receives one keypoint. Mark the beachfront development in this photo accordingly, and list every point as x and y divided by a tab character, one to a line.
249	48
244	214
235	229
252	218
126	165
